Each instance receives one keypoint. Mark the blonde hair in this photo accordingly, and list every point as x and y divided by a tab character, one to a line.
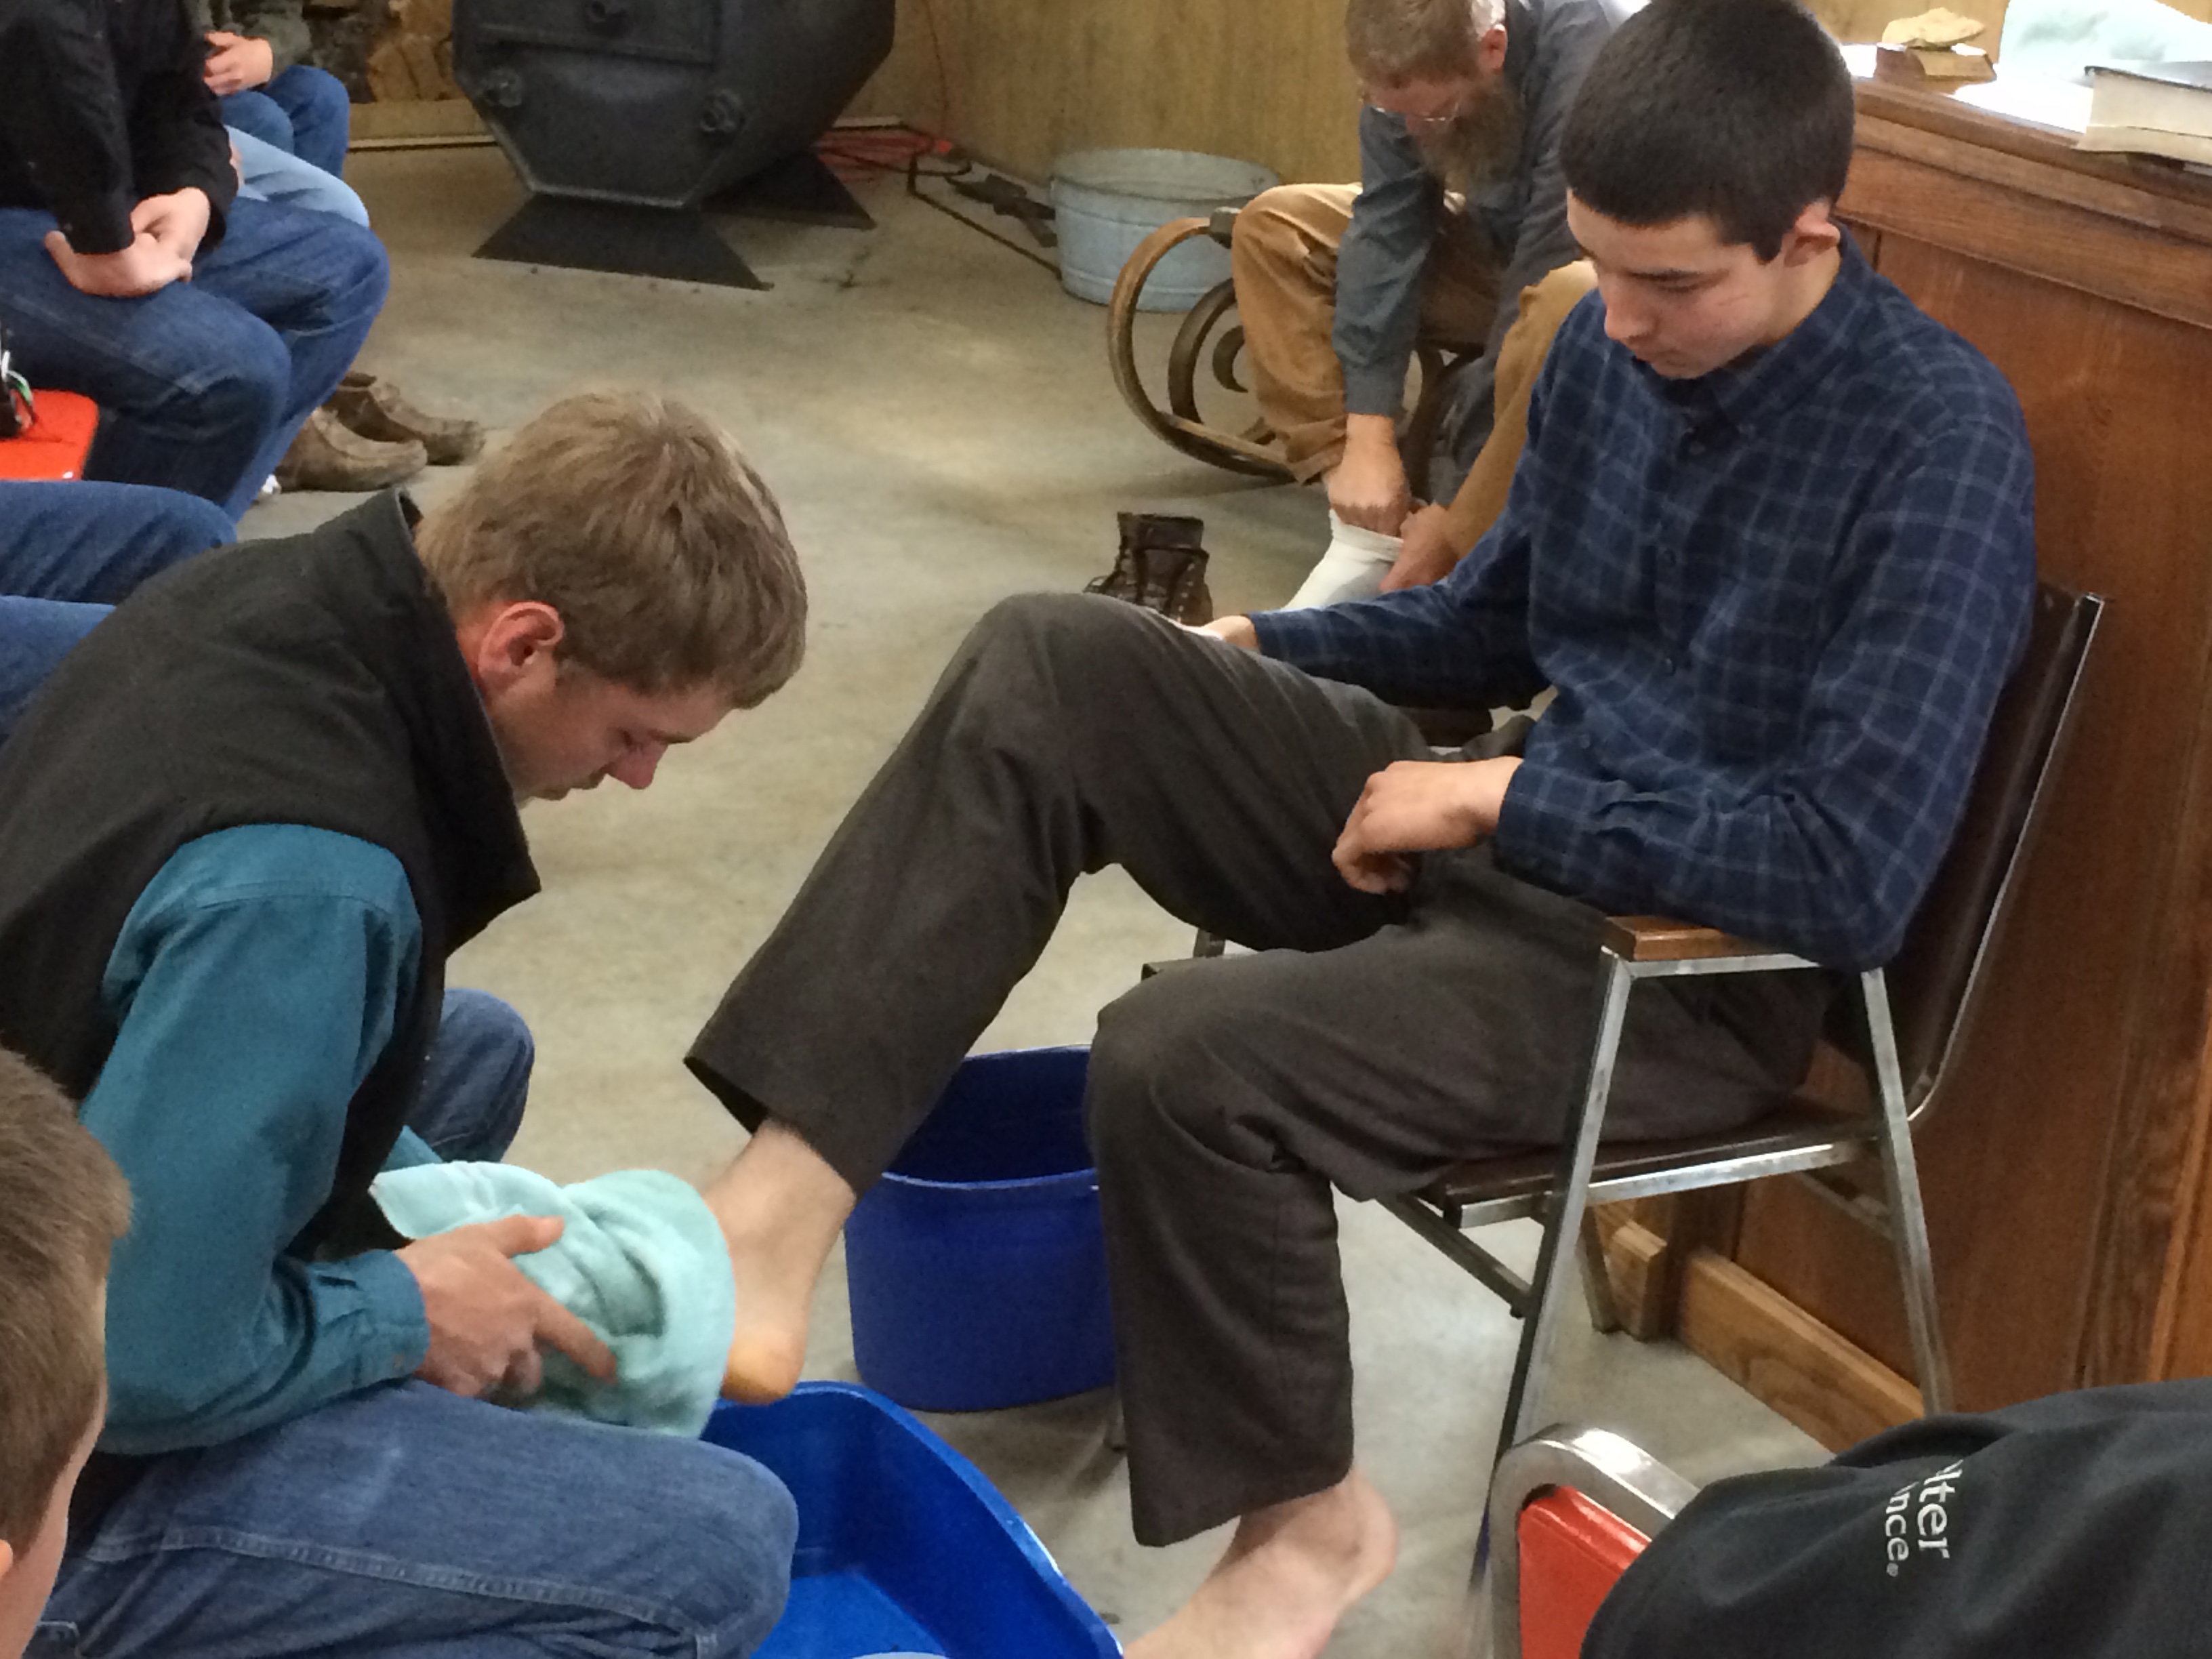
636	519
1390	41
63	1205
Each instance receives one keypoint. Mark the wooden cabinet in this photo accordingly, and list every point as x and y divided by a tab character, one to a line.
2067	1168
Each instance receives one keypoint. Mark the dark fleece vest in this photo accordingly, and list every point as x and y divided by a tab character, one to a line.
310	681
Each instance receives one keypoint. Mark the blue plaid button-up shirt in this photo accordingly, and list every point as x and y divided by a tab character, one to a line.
1777	602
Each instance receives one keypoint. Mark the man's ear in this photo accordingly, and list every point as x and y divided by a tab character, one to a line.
1490	50
7	1557
506	643
1814	233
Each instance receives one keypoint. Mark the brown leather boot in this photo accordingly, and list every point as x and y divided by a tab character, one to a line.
327	456
377	409
1161	567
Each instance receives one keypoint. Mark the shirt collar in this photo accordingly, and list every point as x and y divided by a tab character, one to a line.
1766	380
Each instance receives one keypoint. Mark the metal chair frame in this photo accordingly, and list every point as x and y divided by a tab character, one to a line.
1610	1471
1638	948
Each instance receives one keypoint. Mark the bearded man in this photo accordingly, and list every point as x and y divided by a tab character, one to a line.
1457	232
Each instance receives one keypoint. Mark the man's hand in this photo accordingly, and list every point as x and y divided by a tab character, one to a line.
1238	630
178	221
487	1320
1368	486
238	63
1427	554
142	268
1418	806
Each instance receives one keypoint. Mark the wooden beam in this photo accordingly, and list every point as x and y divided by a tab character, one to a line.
1835	1391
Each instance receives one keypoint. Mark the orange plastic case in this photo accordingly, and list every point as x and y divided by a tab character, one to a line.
56	444
1571	1551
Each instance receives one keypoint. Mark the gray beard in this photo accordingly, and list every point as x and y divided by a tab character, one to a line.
1481	146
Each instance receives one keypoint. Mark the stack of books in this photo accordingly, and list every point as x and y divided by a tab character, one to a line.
2155	109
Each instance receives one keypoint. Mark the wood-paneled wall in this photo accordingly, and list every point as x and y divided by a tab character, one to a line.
1019	82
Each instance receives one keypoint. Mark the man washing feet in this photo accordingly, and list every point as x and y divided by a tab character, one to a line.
241	828
1769	539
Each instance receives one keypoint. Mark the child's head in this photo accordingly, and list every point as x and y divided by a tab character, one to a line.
62	1204
1706	147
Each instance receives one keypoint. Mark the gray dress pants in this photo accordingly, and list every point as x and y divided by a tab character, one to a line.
1370	1042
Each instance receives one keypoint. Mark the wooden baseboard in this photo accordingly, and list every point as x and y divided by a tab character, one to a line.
416	123
1834	1390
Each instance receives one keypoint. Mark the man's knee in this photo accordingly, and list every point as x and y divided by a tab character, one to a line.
181	525
737	1528
361	270
1155	1069
1068	639
478	1082
316	92
248	383
1274	241
1544	304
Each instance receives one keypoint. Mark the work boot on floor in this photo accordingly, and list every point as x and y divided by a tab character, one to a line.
327	456
1161	567
376	409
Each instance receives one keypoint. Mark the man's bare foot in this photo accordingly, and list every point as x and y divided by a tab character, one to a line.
1290	1574
781	1207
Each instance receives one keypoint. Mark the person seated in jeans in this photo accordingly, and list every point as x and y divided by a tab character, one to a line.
116	186
70	551
241	828
1771	539
257	65
289	123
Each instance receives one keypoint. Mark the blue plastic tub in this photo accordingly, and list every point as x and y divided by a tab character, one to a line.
903	1547
977	1267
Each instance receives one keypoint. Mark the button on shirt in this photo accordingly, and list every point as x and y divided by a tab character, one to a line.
1777	602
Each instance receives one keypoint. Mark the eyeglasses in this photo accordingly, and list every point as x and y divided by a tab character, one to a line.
1417	121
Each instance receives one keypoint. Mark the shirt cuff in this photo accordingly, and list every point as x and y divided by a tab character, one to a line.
392	1301
1548	813
97	224
1372	391
1297	637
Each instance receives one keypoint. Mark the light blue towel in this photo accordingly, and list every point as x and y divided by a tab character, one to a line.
642	1262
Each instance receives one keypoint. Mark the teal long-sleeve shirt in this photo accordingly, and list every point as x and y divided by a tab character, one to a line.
254	984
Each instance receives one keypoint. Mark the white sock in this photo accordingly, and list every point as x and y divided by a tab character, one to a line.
1352	568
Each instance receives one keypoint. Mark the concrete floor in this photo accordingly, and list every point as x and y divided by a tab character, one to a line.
938	422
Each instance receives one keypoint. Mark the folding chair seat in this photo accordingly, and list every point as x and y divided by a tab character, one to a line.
1912	1011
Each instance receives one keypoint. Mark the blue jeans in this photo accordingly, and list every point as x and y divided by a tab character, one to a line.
406	1523
64	544
267	174
203	385
35	634
302	112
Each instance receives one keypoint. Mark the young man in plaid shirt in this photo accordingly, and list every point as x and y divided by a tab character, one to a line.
1771	541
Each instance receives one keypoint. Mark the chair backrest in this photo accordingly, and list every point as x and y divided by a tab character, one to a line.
1933	980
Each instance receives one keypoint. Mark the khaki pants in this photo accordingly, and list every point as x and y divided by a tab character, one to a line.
1284	259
